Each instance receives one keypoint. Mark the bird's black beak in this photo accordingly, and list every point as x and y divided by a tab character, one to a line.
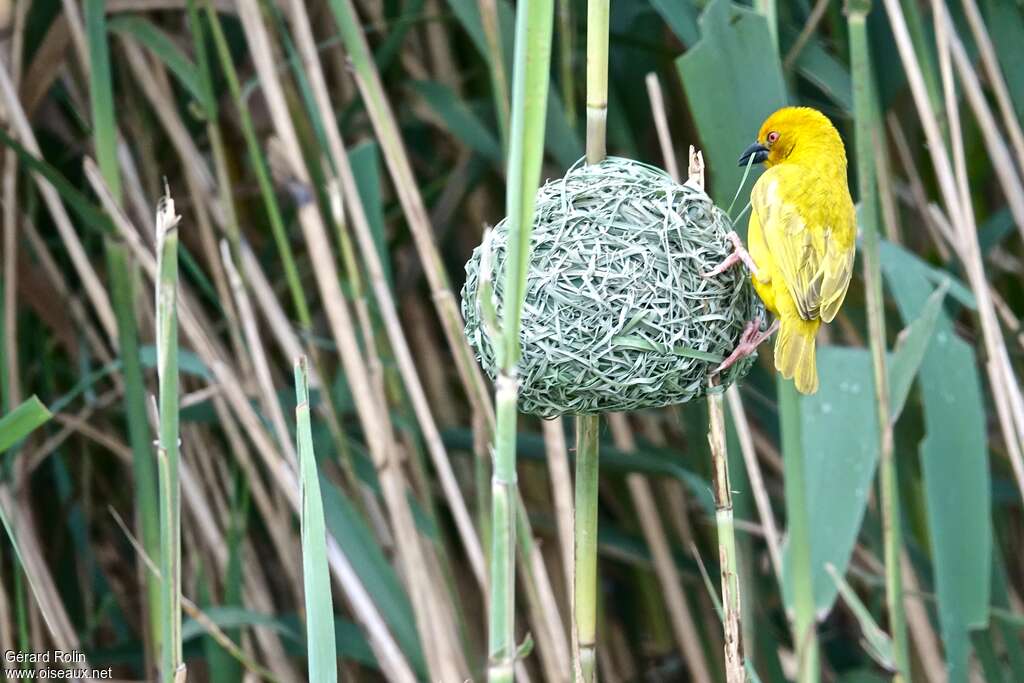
758	151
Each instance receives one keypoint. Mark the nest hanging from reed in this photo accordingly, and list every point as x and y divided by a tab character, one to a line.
617	315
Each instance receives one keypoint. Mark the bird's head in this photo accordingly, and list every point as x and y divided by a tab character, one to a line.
796	131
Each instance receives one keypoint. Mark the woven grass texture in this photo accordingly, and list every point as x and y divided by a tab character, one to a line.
617	315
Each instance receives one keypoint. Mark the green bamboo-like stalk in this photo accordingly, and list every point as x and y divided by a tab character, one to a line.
122	285
588	426
597	79
534	19
585	559
804	631
866	120
727	556
172	667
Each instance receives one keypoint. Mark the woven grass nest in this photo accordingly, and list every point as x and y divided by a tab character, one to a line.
617	315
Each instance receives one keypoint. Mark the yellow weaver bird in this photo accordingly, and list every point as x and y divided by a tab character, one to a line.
802	237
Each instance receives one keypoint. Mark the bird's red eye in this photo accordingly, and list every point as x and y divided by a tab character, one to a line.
772	137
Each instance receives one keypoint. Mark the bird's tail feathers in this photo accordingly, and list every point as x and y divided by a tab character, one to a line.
794	353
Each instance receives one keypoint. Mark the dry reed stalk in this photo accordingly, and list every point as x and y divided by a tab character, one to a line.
661	125
761	500
44	590
391	658
385	298
561	491
990	62
1006	391
440	646
683	626
731	613
396	158
268	395
94	290
998	151
199	182
926	641
920	198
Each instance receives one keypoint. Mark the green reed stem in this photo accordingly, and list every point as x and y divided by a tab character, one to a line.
588	426
172	666
728	558
585	559
534	19
866	120
804	631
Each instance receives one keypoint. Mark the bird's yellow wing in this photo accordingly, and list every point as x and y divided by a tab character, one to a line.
810	238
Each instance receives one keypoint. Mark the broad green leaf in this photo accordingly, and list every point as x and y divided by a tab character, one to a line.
896	258
733	81
906	357
460	121
316	579
22	421
681	17
160	44
839	427
954	462
1005	23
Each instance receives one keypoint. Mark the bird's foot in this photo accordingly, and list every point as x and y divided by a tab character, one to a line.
751	338
739	253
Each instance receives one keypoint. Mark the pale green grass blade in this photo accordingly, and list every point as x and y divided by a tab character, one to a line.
321	647
839	426
735	48
22	421
954	461
101	93
368	561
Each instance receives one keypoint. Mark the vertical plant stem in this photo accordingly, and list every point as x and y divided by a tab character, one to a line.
866	123
727	559
585	561
804	631
534	20
172	667
587	426
597	79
